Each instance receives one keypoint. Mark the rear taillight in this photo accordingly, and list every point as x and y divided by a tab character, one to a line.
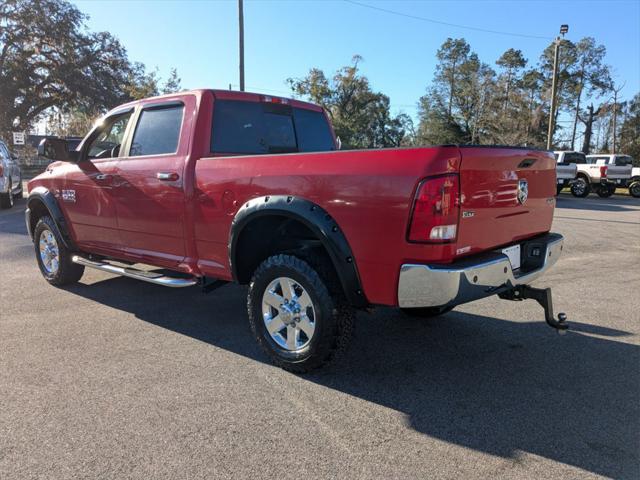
603	171
436	210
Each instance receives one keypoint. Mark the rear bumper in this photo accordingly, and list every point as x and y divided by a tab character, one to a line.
475	277
613	181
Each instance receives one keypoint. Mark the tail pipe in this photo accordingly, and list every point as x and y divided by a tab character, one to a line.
543	297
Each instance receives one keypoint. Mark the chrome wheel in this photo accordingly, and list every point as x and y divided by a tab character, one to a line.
49	252
288	314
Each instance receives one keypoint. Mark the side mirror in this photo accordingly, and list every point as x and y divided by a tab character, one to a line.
57	149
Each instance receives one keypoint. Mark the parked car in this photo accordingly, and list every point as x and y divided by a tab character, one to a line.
10	177
220	186
634	182
624	163
602	179
566	171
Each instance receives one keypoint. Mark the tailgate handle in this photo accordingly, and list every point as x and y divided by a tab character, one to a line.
527	162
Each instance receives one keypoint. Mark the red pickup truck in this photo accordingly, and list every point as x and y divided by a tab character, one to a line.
212	186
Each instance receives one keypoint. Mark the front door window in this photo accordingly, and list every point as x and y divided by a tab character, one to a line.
107	143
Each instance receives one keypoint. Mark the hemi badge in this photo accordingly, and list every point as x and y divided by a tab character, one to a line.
468	213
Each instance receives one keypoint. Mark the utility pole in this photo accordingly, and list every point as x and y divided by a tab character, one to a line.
552	113
241	42
615	114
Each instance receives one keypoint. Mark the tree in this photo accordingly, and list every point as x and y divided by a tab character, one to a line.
360	116
451	56
455	107
50	63
511	61
566	80
588	118
436	127
48	59
591	75
140	83
173	84
630	130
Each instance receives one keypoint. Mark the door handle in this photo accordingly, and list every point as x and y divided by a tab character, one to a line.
167	176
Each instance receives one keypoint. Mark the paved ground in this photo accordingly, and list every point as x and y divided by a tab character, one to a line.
114	378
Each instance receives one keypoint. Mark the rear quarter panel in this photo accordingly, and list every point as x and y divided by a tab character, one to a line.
368	193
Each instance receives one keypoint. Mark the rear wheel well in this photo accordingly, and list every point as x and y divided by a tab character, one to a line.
271	235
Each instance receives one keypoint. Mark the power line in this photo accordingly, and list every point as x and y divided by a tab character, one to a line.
439	22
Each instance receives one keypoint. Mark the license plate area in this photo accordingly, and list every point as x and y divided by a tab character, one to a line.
513	252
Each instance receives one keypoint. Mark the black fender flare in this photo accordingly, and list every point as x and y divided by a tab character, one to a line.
318	221
48	199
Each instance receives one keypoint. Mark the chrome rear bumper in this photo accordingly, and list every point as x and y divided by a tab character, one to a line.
476	277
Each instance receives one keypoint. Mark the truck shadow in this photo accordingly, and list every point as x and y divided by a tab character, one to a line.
487	384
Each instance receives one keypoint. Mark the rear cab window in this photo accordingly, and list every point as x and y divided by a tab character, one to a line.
254	128
623	160
573	157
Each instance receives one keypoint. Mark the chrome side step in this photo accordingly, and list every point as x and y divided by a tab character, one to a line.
151	277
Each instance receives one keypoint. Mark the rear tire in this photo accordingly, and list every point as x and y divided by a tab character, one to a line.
580	188
559	188
605	191
293	316
426	312
634	189
54	259
6	199
19	194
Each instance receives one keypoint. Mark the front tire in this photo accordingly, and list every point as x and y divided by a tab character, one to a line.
580	188
634	189
54	259
295	319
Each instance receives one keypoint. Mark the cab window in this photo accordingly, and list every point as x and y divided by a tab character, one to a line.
107	143
241	127
158	131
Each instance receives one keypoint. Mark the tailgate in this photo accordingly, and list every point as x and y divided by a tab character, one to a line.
566	172
492	214
615	172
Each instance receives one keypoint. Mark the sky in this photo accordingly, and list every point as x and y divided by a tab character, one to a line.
284	39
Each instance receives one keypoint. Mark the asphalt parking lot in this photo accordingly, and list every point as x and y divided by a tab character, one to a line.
113	378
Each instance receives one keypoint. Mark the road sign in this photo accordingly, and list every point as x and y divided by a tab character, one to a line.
18	138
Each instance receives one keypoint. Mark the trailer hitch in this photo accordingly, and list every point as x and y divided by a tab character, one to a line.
543	297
